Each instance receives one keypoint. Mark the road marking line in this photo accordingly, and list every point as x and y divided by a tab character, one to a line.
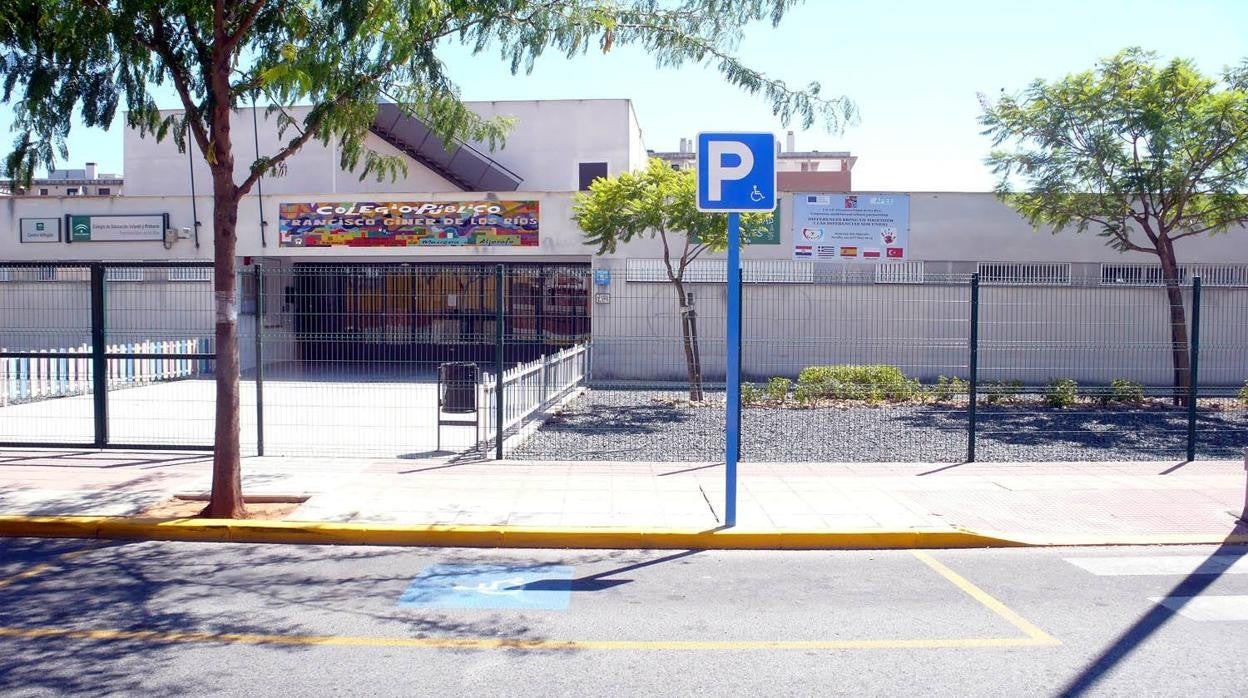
514	643
1206	608
1186	565
42	567
1035	637
1027	627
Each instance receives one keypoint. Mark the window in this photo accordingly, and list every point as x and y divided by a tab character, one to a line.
123	274
1016	273
190	274
1216	274
71	191
899	272
105	191
1150	274
1130	274
43	191
589	171
4	274
46	273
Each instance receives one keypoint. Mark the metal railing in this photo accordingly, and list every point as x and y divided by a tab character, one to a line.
530	388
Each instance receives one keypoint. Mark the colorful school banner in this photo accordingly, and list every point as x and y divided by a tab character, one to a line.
409	224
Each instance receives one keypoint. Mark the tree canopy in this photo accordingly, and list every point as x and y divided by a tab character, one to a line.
1145	154
341	57
1140	152
656	202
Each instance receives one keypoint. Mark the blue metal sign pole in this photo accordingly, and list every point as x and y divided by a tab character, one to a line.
736	173
733	375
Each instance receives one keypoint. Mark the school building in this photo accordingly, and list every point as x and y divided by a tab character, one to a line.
405	270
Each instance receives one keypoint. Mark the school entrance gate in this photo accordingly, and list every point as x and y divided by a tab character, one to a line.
337	359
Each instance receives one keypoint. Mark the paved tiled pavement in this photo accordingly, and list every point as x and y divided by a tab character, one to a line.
1029	501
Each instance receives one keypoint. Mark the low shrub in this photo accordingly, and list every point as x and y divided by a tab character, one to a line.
947	389
1243	395
750	394
778	388
1124	391
1001	391
1061	392
874	383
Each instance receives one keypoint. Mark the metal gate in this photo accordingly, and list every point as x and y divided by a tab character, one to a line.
106	355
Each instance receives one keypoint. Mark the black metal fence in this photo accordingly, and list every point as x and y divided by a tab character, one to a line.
343	359
337	359
117	355
1009	369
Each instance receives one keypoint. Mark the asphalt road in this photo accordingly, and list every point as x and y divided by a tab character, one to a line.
253	620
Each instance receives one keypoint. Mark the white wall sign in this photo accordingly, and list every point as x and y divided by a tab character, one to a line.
40	229
851	227
117	228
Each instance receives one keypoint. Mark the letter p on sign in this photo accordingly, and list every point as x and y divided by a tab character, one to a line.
736	172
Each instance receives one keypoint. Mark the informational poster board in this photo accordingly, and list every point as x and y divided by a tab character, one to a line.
40	230
409	224
851	227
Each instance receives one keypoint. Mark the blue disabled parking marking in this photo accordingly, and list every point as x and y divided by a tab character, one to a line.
543	587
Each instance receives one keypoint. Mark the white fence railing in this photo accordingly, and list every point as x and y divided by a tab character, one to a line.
27	379
530	387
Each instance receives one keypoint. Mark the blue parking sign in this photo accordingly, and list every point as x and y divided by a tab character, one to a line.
736	172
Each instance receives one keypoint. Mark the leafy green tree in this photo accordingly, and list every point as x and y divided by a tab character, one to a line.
1143	154
340	57
661	202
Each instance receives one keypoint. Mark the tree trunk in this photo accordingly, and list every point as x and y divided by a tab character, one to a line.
1178	323
226	501
689	335
227	488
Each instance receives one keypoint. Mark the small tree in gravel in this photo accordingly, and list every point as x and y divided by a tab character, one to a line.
661	202
1143	154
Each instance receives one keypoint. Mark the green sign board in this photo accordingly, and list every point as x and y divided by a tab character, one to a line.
770	235
117	228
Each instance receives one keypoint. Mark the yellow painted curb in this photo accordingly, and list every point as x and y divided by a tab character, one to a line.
331	533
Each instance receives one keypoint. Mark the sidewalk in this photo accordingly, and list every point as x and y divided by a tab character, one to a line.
1026	503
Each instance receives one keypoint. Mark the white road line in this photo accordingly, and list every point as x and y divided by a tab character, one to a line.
1134	566
1205	608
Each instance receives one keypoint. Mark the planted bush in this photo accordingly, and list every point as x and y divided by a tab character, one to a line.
778	389
750	394
1001	391
845	382
1061	392
947	389
1243	395
1124	391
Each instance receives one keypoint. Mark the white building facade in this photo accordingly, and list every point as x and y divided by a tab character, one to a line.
799	312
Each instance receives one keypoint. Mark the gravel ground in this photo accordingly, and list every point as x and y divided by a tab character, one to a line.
644	425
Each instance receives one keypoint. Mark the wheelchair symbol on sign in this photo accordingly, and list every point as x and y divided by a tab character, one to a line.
492	589
756	195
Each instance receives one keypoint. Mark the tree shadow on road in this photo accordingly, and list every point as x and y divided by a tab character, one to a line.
1191	587
105	620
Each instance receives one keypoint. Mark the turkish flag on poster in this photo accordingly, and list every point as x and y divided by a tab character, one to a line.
896	252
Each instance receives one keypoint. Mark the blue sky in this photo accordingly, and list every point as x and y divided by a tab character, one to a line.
913	67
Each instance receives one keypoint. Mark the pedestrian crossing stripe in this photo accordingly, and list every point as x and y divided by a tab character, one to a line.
1206	608
1183	565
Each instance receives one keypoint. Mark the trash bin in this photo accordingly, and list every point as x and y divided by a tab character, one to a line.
457	381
